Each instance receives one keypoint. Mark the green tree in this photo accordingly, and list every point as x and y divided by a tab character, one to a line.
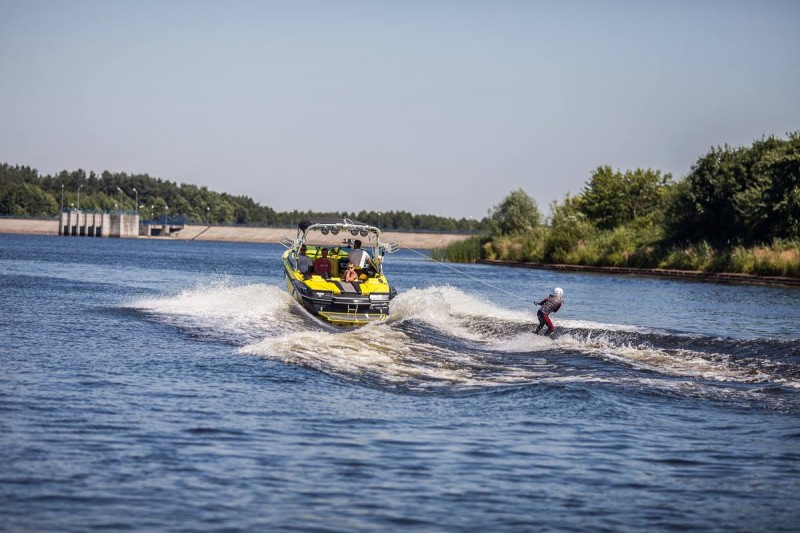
569	229
181	206
612	198
241	214
21	195
102	192
17	174
517	213
158	208
222	213
22	199
745	195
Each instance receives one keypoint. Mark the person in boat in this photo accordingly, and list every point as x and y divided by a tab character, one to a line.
350	275
551	304
358	256
322	265
304	263
362	260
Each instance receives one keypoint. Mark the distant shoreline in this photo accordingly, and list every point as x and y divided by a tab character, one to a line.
250	234
716	277
427	241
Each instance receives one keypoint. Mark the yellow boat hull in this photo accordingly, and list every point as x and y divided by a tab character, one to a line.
334	301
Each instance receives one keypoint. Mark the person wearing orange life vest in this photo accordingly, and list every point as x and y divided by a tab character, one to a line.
551	304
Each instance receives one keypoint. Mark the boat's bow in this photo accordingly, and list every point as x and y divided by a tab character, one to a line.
329	297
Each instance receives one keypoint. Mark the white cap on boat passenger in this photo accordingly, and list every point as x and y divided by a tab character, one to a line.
558	291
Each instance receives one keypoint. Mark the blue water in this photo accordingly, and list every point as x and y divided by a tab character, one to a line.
162	385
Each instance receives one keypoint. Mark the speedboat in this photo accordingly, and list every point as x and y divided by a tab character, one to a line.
328	296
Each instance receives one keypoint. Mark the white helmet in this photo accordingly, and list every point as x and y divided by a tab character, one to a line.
558	291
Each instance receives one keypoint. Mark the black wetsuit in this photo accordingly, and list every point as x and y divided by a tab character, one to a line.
551	304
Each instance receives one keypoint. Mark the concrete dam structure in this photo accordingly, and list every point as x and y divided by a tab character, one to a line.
84	224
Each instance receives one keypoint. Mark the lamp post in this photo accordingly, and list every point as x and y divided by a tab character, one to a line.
379	219
208	216
61	213
137	200
120	195
166	211
79	197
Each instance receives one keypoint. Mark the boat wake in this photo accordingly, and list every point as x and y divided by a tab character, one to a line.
443	338
226	313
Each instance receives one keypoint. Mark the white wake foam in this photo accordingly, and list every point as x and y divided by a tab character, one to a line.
604	326
450	310
669	362
387	355
263	320
237	314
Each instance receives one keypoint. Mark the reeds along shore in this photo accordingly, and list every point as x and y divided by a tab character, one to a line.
782	258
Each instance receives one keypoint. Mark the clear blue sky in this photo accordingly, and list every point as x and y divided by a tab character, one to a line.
429	106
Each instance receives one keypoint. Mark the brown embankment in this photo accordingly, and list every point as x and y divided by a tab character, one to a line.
250	234
237	233
29	226
720	277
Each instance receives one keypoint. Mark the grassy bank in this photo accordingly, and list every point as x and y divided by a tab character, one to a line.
628	247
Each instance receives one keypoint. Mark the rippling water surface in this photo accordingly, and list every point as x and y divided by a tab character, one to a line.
157	385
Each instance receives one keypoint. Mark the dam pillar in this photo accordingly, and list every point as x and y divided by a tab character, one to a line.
102	225
129	226
122	226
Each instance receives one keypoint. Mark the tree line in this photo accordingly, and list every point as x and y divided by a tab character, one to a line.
24	192
732	199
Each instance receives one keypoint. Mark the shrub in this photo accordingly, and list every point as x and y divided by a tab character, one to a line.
780	259
570	231
466	251
691	257
517	213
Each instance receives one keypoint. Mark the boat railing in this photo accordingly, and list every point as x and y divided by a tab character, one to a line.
390	247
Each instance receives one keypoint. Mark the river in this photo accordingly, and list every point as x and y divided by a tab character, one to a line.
155	385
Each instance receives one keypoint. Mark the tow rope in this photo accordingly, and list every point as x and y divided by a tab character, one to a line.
469	276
